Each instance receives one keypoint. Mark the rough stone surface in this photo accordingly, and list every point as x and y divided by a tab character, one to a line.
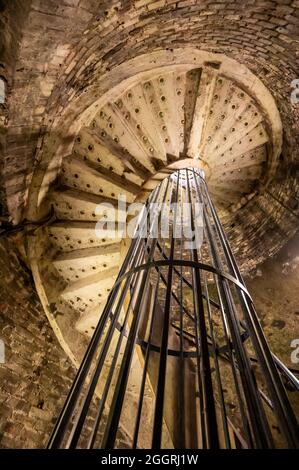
64	46
36	374
274	289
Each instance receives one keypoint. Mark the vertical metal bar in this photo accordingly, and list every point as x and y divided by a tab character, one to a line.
69	406
211	429
276	389
213	340
120	389
182	359
255	422
217	369
147	354
159	406
146	361
197	344
112	367
83	409
224	310
256	417
138	257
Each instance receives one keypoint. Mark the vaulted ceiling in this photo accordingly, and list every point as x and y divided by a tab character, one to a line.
103	97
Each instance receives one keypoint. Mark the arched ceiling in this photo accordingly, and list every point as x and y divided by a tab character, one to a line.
70	59
196	114
57	53
166	116
161	107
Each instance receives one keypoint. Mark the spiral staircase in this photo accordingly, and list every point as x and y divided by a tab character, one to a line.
174	118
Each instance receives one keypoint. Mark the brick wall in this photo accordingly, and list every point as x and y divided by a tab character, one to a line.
261	228
11	21
66	45
37	374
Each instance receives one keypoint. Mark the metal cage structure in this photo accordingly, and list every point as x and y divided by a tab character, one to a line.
178	358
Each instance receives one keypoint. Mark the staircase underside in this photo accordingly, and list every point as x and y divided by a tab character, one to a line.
146	127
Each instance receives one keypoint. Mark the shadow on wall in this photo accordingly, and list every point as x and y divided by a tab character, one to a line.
16	173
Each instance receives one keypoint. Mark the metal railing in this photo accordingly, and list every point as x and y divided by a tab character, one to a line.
178	358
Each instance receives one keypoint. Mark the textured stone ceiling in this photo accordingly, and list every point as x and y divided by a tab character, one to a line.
60	55
198	114
129	139
61	60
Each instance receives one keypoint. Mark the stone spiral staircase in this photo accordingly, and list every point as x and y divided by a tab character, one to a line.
178	118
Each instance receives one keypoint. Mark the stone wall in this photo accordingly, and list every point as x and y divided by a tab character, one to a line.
274	290
36	375
261	228
12	17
